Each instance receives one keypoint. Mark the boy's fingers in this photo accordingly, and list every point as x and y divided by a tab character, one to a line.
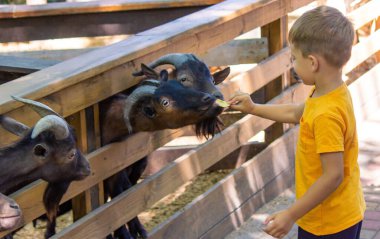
238	93
269	225
269	219
236	98
233	102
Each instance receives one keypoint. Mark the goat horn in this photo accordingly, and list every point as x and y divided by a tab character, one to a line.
139	92
41	109
53	123
175	59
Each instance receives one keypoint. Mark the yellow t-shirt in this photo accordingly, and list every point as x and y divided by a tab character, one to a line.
328	125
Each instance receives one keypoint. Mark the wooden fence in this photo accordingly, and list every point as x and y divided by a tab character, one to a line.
75	87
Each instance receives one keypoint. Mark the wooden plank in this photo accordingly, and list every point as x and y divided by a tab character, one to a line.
365	14
87	25
243	51
366	91
99	77
252	177
70	8
363	50
58	55
186	167
258	76
162	157
23	64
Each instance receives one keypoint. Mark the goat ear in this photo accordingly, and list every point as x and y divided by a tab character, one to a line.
40	150
13	126
220	76
164	75
149	72
149	111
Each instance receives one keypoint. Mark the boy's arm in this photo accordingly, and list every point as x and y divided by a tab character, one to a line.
332	177
284	113
332	164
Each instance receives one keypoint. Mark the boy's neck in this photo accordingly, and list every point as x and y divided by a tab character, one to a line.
327	81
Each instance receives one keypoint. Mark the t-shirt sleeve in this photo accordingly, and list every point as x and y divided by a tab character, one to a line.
329	134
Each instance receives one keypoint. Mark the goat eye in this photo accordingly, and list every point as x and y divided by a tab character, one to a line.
213	81
72	155
165	102
183	79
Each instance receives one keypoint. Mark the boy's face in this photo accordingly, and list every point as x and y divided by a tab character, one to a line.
302	65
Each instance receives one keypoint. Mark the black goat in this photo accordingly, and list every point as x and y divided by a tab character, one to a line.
48	151
193	73
125	115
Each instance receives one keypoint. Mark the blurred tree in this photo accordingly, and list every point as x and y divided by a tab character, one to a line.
12	1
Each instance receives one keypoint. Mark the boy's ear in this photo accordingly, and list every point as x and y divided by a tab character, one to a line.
314	62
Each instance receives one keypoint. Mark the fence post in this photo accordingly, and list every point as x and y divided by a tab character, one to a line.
87	126
276	33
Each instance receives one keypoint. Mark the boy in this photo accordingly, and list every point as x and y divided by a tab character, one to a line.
329	201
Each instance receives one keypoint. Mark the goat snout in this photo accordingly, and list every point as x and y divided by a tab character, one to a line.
14	206
85	171
207	98
218	95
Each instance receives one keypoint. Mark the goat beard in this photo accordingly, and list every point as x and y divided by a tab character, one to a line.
208	127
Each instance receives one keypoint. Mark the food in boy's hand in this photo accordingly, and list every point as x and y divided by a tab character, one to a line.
222	103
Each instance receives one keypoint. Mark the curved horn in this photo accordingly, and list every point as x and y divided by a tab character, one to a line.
139	92
53	123
175	59
41	109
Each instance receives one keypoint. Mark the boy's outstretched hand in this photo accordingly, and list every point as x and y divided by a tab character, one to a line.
279	224
242	102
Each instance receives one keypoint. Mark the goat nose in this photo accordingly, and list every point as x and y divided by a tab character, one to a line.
14	206
218	95
206	98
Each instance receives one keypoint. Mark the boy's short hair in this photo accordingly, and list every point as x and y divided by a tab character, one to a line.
324	31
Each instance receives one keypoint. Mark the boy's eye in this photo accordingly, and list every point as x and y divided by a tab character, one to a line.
292	59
